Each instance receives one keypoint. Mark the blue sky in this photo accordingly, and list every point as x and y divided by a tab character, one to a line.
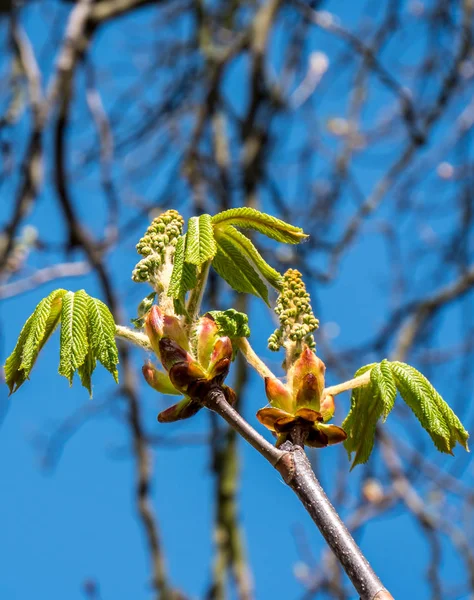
77	519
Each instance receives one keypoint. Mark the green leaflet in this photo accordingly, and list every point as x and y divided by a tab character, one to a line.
443	426
231	322
101	334
366	409
234	268
200	242
375	400
35	333
86	369
250	218
183	276
87	335
247	249
73	344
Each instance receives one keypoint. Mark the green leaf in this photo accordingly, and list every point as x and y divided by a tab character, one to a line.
34	334
200	243
366	409
101	334
231	323
234	268
434	414
85	371
248	250
45	320
250	218
73	341
383	384
183	276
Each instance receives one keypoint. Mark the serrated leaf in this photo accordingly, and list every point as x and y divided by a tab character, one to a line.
248	250
183	276
383	383
45	320
234	268
13	376
434	414
366	409
231	323
85	371
250	218
73	341
200	243
34	334
101	333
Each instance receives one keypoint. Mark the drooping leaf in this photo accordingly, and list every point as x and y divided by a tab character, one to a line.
86	369
434	414
248	250
101	333
231	323
234	268
200	243
45	320
183	276
250	218
383	383
34	334
366	409
73	341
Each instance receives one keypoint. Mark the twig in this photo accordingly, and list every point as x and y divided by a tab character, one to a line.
295	468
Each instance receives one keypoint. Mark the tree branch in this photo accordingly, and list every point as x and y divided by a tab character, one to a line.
292	463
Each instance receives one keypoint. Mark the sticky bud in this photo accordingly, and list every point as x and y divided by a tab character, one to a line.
327	408
183	374
307	362
173	329
207	334
154	327
182	410
158	380
171	353
278	394
222	350
307	395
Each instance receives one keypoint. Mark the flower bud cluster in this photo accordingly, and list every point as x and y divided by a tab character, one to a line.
301	403
157	247
293	307
189	371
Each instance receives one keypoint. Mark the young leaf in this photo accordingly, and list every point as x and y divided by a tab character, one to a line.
73	341
85	371
183	276
200	242
443	426
237	271
383	384
35	333
248	250
250	218
101	334
366	409
231	323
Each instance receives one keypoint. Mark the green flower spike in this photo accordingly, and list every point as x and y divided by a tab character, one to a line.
158	247
301	402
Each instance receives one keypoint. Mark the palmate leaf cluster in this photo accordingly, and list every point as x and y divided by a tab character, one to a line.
375	401
87	335
234	257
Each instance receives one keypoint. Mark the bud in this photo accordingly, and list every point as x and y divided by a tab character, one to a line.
221	355
173	329
327	408
154	327
278	394
309	389
207	334
183	374
182	410
269	416
158	380
171	353
332	434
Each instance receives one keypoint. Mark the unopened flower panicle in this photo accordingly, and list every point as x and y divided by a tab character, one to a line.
157	248
293	307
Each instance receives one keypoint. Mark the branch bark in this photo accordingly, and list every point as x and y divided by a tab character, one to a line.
293	465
